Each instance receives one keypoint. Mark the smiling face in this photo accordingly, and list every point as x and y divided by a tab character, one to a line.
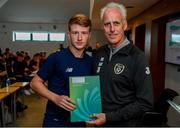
79	36
114	26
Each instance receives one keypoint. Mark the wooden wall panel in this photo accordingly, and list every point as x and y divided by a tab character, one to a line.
155	19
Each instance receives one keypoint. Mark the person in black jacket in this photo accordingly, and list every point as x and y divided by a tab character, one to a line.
126	84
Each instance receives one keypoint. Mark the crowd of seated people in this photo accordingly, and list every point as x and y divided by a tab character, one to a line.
20	68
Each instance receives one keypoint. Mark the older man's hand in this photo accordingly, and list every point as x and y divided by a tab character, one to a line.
100	120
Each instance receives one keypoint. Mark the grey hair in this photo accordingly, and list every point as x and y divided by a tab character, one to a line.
121	8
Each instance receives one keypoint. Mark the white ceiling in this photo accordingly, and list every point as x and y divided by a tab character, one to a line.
134	7
59	11
42	11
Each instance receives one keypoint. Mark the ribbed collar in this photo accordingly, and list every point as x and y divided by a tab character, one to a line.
120	46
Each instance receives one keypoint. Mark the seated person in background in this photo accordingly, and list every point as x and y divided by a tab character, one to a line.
27	77
2	63
2	69
9	58
19	67
97	46
34	64
42	58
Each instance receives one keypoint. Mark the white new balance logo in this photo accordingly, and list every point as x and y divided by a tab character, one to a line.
69	69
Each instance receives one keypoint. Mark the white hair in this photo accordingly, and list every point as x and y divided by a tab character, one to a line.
121	8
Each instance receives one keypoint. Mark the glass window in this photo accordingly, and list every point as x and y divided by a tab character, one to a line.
56	36
23	36
175	38
37	36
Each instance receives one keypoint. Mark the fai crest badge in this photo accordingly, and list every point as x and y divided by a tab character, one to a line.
118	68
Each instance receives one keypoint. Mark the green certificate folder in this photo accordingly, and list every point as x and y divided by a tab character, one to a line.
85	91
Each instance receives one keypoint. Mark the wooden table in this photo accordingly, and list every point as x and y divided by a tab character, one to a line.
19	84
12	92
9	89
2	96
3	73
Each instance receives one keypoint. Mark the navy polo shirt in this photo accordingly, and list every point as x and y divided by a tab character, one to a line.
57	69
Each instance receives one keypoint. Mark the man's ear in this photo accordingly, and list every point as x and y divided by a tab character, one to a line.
68	34
124	25
89	35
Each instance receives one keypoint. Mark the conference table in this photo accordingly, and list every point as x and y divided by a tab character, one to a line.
12	93
3	73
20	85
2	96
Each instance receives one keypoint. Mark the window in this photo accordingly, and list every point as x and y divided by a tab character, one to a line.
175	38
39	36
23	36
172	51
57	36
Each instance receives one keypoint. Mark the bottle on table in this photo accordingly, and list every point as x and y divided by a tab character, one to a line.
8	82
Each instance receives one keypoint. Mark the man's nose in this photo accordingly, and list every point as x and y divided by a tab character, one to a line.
112	29
79	36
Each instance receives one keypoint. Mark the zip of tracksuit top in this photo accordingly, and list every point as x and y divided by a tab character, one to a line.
126	85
